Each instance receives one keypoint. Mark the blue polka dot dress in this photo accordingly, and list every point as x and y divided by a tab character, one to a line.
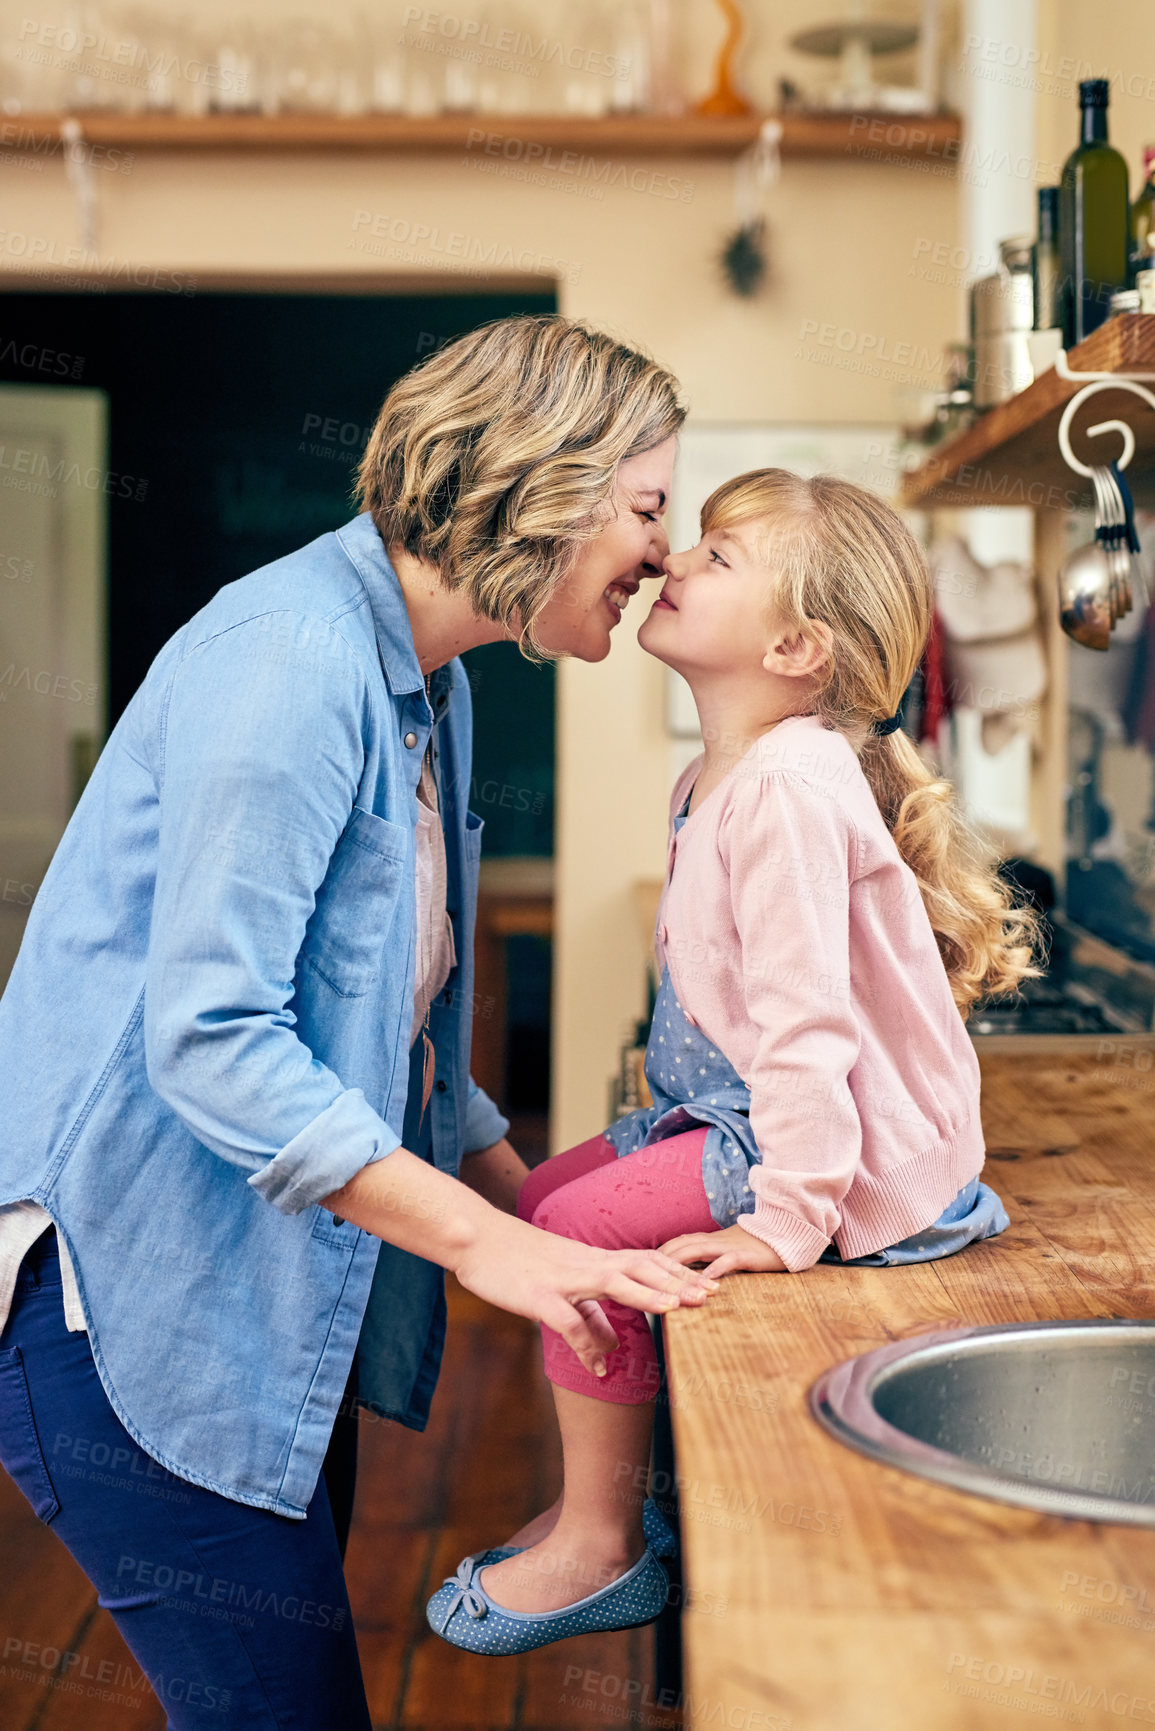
693	1084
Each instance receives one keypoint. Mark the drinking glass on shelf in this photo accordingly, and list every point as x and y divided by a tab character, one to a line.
588	80
161	62
460	87
306	64
384	60
666	93
388	96
233	69
126	55
354	72
489	80
84	39
186	74
631	44
488	94
421	96
512	55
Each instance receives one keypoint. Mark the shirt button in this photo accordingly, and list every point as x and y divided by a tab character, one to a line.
411	740
441	1087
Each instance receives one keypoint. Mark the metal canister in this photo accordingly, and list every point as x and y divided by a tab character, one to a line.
1002	317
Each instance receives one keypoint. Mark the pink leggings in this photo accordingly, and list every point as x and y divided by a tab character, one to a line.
637	1202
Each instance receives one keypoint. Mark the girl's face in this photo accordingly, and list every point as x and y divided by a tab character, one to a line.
578	619
712	615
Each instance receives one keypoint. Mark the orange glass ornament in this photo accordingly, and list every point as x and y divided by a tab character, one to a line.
724	100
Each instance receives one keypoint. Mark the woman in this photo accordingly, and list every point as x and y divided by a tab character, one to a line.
235	1041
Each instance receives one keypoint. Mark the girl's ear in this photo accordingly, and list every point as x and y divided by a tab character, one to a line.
801	653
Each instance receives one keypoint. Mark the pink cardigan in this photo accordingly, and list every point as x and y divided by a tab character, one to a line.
797	940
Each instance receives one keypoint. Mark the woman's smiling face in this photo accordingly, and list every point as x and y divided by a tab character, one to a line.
579	618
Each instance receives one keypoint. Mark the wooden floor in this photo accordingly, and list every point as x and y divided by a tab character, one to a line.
487	1462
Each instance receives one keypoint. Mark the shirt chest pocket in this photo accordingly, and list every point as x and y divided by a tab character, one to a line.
356	907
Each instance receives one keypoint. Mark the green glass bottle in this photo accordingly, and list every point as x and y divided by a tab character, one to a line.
1143	218
1094	219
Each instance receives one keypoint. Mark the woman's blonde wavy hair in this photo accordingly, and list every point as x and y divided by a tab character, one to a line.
495	458
838	553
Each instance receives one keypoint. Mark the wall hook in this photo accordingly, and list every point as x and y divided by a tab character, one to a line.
1100	382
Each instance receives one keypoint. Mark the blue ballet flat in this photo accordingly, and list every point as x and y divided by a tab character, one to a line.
463	1614
483	1559
660	1536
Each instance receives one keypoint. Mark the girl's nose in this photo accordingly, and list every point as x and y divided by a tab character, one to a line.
674	565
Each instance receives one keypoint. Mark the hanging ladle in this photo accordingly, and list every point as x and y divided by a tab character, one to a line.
1085	594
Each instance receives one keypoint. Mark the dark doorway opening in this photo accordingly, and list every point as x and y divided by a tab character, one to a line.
239	416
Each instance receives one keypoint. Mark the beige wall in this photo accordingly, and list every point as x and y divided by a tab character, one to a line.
1078	39
843	239
853	248
862	249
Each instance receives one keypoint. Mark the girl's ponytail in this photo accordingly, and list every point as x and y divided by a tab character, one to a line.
987	943
839	554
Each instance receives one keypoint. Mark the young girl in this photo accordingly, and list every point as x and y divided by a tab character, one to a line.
826	917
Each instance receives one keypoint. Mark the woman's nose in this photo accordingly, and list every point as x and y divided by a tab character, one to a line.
653	564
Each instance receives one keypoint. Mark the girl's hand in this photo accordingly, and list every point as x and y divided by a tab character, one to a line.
726	1252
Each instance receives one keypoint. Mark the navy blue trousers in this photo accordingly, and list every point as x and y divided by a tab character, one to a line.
235	1616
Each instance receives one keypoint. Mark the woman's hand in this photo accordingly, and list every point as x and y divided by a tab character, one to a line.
537	1274
557	1281
727	1252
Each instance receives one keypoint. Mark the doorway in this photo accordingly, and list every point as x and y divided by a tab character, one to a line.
239	414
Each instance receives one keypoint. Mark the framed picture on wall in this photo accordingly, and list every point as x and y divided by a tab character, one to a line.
710	453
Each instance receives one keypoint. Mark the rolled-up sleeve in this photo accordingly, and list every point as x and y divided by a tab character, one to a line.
791	859
484	1124
263	756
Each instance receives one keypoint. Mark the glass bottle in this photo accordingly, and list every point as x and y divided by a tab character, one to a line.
1094	219
1143	218
1046	266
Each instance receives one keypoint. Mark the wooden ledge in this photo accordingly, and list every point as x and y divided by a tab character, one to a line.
1010	455
878	138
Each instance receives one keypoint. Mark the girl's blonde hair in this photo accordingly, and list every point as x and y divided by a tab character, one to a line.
495	458
838	553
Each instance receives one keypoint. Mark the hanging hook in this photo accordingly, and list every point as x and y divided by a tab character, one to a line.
1109	382
78	168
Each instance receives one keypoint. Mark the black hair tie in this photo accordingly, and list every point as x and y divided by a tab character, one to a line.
890	725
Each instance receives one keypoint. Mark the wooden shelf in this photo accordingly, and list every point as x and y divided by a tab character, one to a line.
1010	455
871	137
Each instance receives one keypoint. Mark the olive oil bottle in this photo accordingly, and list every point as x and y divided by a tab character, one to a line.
1094	219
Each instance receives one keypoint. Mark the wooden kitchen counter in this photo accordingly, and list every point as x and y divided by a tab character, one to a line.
831	1593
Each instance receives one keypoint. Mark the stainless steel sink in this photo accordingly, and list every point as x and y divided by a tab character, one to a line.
1055	1416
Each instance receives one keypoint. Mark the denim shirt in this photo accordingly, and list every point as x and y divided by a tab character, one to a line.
206	1029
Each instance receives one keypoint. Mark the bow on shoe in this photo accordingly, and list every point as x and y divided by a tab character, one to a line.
464	1593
